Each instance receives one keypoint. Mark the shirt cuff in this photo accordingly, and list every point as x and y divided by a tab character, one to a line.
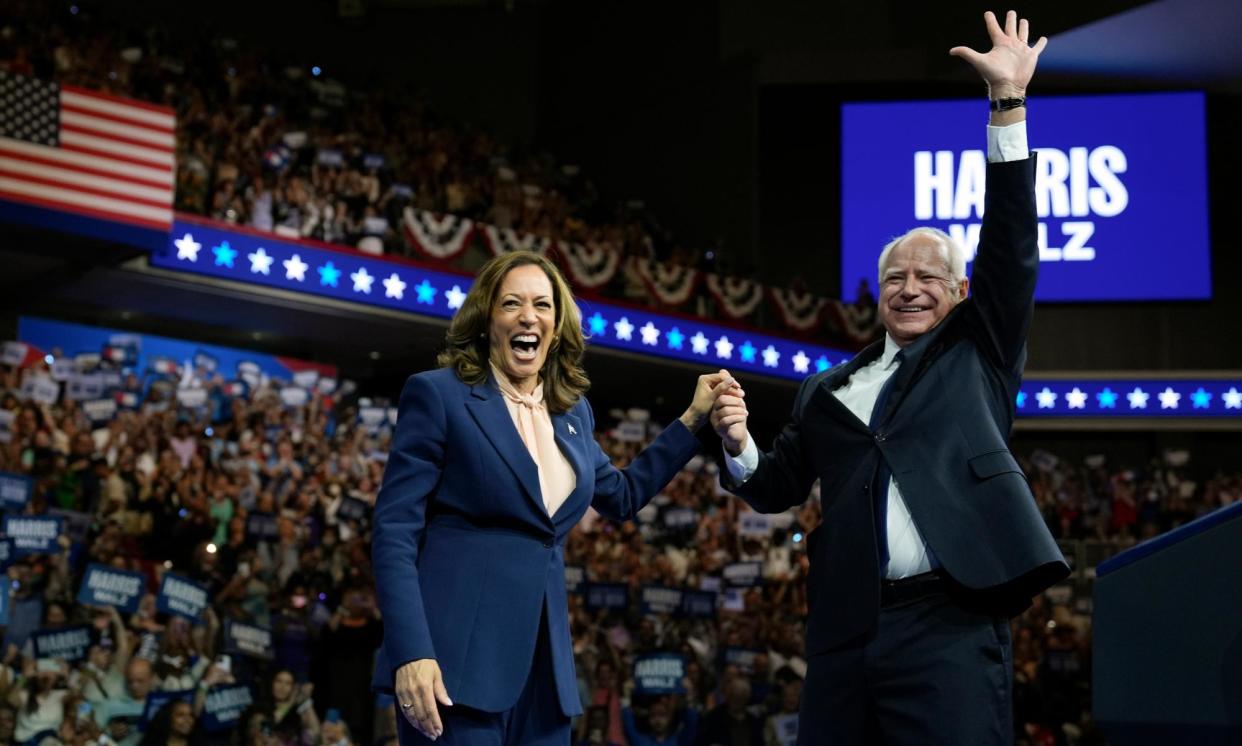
1007	143
742	466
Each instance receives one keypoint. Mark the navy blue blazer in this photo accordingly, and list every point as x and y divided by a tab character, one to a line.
944	434
467	559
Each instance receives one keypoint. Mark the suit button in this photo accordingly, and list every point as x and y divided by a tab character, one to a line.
880	437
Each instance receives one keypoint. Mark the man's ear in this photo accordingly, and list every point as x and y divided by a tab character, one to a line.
963	289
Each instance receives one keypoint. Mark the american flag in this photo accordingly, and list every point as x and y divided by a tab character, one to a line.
89	153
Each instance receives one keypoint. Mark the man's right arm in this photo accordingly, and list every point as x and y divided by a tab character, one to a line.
769	482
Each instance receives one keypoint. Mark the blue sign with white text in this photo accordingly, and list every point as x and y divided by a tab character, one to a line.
1121	189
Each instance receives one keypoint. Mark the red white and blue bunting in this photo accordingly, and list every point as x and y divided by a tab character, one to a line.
436	237
503	240
669	284
798	309
736	297
591	265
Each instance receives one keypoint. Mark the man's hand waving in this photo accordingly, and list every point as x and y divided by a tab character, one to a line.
1006	68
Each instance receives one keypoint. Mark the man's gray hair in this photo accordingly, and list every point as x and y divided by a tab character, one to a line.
952	250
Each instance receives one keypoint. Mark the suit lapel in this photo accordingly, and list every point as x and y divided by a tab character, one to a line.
918	355
487	407
823	396
571	439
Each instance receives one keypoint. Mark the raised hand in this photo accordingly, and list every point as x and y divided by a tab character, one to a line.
1006	68
706	391
729	419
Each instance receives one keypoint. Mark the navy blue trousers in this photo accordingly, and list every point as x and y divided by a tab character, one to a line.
933	672
535	720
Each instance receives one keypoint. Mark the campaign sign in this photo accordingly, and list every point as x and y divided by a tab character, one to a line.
7	555
107	586
14	491
66	643
100	410
607	595
698	604
261	527
743	658
657	599
660	673
754	524
575	577
33	534
248	639
156	700
351	509
76	523
224	706
40	389
1121	189
681	518
181	596
741	574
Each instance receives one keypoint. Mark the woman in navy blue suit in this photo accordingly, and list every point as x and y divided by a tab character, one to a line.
493	462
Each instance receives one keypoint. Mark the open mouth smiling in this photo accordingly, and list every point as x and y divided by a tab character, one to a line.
525	346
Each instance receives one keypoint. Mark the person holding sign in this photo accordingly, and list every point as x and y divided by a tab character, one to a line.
492	463
931	538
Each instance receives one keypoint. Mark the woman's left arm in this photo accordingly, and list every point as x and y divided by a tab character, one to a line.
621	493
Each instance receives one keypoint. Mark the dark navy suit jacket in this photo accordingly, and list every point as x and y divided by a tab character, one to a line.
944	434
467	559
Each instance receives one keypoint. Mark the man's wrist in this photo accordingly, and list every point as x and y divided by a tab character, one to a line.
1005	90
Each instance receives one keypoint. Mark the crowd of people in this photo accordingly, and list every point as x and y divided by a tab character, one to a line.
159	489
276	148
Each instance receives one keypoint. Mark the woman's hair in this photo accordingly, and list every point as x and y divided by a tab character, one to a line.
564	380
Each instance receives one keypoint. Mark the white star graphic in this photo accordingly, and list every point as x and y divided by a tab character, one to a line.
651	335
801	362
1077	399
625	330
1047	398
261	261
362	280
187	247
1169	398
394	287
295	268
724	348
1233	398
699	343
770	356
1138	398
455	297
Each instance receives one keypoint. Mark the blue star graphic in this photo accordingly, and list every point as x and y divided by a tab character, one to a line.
1021	399
748	352
822	364
1107	398
426	293
224	254
675	338
599	324
1201	398
328	275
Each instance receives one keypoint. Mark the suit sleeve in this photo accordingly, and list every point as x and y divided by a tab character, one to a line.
621	493
784	476
1007	265
415	460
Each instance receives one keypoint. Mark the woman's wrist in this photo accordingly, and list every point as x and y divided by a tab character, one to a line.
692	421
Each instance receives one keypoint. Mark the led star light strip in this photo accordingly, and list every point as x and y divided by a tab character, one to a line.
360	278
268	261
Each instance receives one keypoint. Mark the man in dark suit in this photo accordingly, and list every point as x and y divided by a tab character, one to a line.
930	538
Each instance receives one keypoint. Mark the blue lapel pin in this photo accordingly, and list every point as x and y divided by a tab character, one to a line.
572	431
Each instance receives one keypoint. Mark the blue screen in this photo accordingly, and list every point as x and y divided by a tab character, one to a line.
1121	189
